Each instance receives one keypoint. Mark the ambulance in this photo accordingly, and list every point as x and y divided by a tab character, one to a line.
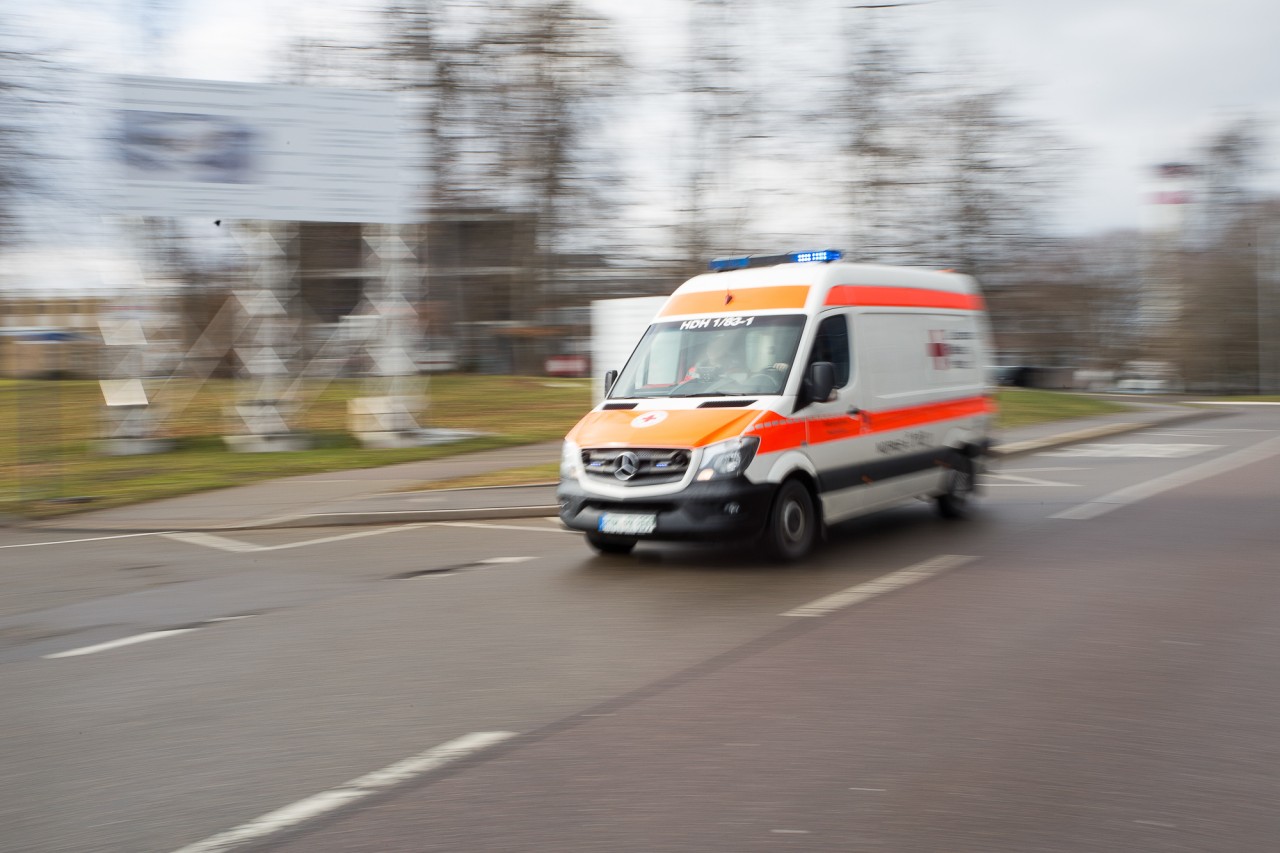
776	395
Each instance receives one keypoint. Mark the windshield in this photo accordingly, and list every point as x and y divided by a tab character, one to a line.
713	357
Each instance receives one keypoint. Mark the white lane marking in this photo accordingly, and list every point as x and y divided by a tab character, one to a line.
74	541
495	561
223	543
881	585
1142	491
1131	451
484	526
1234	403
115	644
1017	477
790	831
208	540
1158	823
880	790
1178	435
357	789
143	638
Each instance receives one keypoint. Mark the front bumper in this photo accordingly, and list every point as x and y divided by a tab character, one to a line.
728	509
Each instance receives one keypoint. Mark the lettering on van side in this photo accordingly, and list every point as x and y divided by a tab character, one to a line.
914	440
950	350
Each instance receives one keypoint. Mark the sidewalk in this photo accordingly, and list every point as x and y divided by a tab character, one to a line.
377	496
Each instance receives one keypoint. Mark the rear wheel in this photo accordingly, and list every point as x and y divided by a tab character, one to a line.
793	523
954	502
610	544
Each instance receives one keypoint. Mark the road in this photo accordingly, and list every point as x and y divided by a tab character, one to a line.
1085	664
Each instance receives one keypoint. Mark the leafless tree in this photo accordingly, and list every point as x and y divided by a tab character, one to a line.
30	97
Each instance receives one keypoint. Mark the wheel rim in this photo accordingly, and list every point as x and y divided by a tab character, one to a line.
793	522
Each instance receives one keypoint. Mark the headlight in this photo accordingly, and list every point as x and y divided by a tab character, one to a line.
727	458
570	460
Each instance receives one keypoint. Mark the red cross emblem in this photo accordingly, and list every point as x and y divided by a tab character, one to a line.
938	350
648	419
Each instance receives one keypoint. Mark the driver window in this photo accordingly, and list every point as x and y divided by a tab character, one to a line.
832	344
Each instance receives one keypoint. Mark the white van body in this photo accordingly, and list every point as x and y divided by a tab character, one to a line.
679	451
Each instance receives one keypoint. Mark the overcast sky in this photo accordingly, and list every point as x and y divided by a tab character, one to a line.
1130	83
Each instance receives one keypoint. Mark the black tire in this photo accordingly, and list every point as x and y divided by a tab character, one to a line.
793	523
610	544
954	502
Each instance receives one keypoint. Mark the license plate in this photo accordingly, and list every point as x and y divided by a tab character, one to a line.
627	525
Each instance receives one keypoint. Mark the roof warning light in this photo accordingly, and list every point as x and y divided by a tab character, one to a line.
812	256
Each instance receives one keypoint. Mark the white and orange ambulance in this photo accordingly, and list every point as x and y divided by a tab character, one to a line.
775	395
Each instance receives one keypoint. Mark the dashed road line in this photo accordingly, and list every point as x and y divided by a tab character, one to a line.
236	546
1142	491
484	526
75	541
142	638
343	795
440	571
881	585
116	644
223	543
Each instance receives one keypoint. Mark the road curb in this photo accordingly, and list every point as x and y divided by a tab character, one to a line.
1022	448
422	516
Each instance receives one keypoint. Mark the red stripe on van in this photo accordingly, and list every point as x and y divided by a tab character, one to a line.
870	423
902	297
782	433
928	413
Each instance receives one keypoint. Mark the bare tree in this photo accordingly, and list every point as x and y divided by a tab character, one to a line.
1219	324
882	145
28	90
998	175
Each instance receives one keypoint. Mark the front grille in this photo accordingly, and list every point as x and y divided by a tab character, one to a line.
648	466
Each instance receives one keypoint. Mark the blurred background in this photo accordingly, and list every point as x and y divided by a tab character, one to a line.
286	224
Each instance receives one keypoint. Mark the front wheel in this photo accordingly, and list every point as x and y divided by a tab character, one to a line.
954	502
610	544
793	523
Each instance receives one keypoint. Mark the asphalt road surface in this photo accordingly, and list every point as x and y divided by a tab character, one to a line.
1087	664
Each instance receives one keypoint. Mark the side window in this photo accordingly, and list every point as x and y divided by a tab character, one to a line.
832	344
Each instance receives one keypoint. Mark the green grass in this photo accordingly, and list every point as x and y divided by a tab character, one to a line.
48	432
1020	407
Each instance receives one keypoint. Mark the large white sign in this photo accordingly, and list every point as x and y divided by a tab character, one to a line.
218	150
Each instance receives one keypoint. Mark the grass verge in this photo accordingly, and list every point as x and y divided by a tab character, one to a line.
48	430
48	466
1027	406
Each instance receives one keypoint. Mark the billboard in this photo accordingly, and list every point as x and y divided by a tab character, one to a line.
201	148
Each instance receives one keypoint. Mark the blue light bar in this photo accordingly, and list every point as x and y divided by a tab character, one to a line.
814	256
823	256
722	264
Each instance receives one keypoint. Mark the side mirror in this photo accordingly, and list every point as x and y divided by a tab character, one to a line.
818	383
610	377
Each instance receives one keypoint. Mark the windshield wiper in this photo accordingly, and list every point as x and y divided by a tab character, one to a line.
712	394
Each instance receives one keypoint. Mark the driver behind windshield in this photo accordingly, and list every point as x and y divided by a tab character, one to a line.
722	358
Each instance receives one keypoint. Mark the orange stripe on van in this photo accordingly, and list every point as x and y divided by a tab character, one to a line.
928	413
892	419
736	301
902	297
781	433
